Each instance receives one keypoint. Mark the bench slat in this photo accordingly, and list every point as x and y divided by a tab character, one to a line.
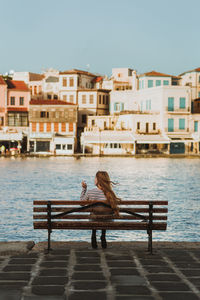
99	225
81	216
74	202
64	209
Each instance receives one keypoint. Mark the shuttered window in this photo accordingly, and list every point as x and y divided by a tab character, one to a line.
182	102
195	126
181	123
170	125
171	104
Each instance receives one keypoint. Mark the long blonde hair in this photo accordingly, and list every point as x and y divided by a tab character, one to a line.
104	182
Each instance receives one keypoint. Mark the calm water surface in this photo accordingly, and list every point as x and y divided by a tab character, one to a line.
23	180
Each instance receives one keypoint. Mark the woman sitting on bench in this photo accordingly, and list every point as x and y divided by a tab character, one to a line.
102	193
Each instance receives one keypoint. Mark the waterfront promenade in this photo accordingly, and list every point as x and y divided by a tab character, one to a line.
124	271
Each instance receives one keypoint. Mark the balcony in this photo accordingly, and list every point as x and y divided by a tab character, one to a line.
178	110
177	130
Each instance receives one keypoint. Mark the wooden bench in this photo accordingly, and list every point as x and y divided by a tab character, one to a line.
134	215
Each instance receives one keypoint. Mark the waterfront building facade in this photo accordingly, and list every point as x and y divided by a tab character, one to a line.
53	127
14	107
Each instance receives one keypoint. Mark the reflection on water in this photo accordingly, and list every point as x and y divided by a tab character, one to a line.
175	180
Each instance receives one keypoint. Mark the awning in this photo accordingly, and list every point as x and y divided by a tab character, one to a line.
11	136
181	137
104	137
40	135
151	139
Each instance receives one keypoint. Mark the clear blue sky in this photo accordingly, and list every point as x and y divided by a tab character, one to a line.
141	34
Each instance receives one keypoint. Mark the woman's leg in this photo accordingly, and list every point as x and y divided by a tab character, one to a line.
94	239
103	239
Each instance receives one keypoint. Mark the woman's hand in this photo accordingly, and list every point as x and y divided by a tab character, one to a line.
84	184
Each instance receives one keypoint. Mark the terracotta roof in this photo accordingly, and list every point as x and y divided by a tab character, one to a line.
97	79
155	74
17	85
49	102
17	109
194	70
2	80
75	71
35	77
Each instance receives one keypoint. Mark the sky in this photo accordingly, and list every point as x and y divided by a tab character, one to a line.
99	35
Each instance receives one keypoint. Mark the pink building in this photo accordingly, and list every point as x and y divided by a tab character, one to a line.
3	97
18	98
14	105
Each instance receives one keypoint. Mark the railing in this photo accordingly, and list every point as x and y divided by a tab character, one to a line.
178	109
177	130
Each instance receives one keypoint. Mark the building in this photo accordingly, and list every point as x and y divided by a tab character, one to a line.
14	106
53	127
33	80
137	133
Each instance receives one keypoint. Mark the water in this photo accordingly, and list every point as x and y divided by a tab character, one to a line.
25	180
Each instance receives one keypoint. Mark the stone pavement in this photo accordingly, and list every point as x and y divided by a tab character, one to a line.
121	272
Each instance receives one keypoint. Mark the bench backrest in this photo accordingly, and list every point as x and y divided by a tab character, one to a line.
65	214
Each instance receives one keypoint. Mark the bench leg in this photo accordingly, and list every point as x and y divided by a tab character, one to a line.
150	246
49	240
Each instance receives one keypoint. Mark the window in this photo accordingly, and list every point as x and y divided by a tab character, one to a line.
12	100
44	114
17	119
181	123
71	81
199	94
165	82
35	90
170	125
69	147
199	79
71	98
83	99
21	100
150	83
158	82
55	96
99	99
104	99
115	146
64	81
107	99
64	147
57	114
117	106
65	97
171	104
195	126
182	102
49	97
154	126
147	127
84	119
91	99
147	104
141	84
138	125
122	106
93	122
58	146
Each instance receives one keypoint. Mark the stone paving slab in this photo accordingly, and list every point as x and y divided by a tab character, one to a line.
122	272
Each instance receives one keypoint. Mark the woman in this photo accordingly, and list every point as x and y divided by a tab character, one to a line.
102	193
